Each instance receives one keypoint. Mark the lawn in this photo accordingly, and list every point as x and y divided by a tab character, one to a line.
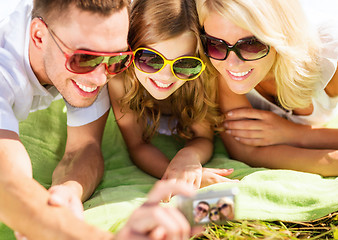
323	228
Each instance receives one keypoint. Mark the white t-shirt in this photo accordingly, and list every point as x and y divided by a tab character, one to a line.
323	16
20	90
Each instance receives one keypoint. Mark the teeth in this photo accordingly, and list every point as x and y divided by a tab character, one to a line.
86	89
162	85
240	74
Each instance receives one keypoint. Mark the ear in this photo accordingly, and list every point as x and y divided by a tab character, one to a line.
38	32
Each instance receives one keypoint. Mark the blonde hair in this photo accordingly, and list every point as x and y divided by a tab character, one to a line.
230	203
195	101
282	25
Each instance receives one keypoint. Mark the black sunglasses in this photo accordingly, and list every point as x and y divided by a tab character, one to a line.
246	49
200	209
213	213
223	206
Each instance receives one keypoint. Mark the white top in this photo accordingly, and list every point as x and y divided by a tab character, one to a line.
20	90
323	16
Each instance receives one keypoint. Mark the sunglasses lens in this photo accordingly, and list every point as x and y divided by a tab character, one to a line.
202	210
252	49
117	64
216	49
148	61
187	68
85	63
213	213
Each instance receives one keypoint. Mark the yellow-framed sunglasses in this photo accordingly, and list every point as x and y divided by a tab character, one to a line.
184	68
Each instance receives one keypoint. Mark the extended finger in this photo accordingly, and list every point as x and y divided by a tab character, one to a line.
219	179
245	133
241	113
220	171
162	188
252	141
244	125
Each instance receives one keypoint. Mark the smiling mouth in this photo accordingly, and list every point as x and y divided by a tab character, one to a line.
161	84
86	89
239	74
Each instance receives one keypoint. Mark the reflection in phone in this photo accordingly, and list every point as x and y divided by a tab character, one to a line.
214	210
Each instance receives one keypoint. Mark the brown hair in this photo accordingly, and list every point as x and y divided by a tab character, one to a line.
51	10
153	22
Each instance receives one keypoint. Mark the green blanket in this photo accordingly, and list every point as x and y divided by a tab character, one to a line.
264	194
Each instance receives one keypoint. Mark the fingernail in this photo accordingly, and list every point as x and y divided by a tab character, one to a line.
229	114
228	131
237	138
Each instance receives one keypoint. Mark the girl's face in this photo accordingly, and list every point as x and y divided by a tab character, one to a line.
163	83
214	215
241	76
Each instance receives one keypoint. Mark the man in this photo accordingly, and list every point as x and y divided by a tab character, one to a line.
72	48
201	212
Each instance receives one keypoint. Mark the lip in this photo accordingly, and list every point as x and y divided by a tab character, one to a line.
240	78
86	94
160	88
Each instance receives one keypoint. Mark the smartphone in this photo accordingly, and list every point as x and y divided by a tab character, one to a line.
209	207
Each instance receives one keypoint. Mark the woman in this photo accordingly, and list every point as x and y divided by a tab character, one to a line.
225	208
271	56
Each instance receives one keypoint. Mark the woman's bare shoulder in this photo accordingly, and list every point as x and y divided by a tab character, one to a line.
332	87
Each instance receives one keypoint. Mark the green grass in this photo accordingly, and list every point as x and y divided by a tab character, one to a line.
323	228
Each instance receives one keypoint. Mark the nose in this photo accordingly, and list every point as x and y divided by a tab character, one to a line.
166	73
233	60
98	77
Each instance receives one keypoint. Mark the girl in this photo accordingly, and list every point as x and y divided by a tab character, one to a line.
285	63
167	90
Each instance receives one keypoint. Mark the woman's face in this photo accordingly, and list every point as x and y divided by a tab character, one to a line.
163	83
241	76
225	210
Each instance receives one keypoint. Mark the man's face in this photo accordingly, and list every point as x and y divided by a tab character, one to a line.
84	31
201	211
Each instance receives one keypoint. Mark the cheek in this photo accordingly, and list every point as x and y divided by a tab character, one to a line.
179	84
265	66
268	61
217	64
55	67
141	77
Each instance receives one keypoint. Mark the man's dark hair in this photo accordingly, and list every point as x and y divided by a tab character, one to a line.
50	9
204	202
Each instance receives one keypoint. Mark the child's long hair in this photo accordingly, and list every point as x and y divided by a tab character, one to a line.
282	25
153	22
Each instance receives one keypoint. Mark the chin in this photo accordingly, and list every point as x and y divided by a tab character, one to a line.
81	104
240	91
